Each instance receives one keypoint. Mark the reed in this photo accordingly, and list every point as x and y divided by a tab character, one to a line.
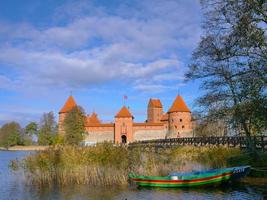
106	164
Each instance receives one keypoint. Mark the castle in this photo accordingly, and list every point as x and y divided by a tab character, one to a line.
159	125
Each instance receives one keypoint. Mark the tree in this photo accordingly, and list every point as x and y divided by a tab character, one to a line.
30	133
207	126
31	128
10	134
47	129
231	61
74	126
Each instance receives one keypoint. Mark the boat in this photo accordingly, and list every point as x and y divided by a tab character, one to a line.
192	179
258	172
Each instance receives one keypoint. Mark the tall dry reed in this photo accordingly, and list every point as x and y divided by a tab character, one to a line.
106	164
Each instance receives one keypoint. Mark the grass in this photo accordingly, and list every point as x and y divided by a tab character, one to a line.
106	164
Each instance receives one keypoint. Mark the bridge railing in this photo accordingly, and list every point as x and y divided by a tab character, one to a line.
258	142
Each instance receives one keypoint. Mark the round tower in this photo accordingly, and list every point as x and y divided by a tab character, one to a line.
180	123
69	104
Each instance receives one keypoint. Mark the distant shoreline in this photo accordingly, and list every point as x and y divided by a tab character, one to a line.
25	148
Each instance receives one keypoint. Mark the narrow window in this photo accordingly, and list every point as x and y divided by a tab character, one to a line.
183	126
181	120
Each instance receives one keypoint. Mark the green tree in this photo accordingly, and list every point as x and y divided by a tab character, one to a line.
231	61
47	129
74	126
10	134
29	132
31	128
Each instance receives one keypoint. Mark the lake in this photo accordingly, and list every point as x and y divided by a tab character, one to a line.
13	187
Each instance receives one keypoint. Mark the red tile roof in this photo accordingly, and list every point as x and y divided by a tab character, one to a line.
155	103
124	112
93	119
70	104
179	105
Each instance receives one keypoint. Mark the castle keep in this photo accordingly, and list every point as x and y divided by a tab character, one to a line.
176	122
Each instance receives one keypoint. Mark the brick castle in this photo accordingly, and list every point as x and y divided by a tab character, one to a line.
159	125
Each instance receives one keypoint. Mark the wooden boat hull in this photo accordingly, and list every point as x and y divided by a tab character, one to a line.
193	179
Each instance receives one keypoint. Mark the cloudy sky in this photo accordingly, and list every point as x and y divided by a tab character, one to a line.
100	50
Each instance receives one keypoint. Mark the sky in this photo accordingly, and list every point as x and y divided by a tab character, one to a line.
98	51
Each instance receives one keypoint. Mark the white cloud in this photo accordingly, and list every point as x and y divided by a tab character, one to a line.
156	88
5	82
101	46
62	70
151	88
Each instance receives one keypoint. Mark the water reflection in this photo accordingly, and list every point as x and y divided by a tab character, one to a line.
13	187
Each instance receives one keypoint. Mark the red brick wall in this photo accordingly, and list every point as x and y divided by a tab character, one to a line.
154	114
180	122
123	126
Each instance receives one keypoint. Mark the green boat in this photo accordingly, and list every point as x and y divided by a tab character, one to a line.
192	179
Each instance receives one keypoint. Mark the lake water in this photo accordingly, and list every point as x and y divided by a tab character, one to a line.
13	187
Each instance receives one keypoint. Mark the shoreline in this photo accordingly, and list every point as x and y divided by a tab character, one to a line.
25	148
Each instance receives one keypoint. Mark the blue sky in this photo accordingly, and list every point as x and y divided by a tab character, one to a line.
100	50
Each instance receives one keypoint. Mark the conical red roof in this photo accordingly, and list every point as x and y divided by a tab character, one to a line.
70	104
179	105
124	112
94	119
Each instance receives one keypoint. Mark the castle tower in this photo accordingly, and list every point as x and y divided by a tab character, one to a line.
180	124
123	126
70	104
154	110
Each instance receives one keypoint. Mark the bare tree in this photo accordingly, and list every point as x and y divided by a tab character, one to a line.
231	61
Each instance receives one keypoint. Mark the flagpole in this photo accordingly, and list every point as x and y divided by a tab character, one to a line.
124	99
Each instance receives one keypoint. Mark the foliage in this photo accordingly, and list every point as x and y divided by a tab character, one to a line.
58	140
231	61
74	126
106	164
10	134
26	140
47	129
31	128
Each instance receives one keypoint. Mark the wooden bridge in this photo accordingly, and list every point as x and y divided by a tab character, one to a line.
258	142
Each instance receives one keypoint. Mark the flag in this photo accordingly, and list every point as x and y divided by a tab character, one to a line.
125	97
